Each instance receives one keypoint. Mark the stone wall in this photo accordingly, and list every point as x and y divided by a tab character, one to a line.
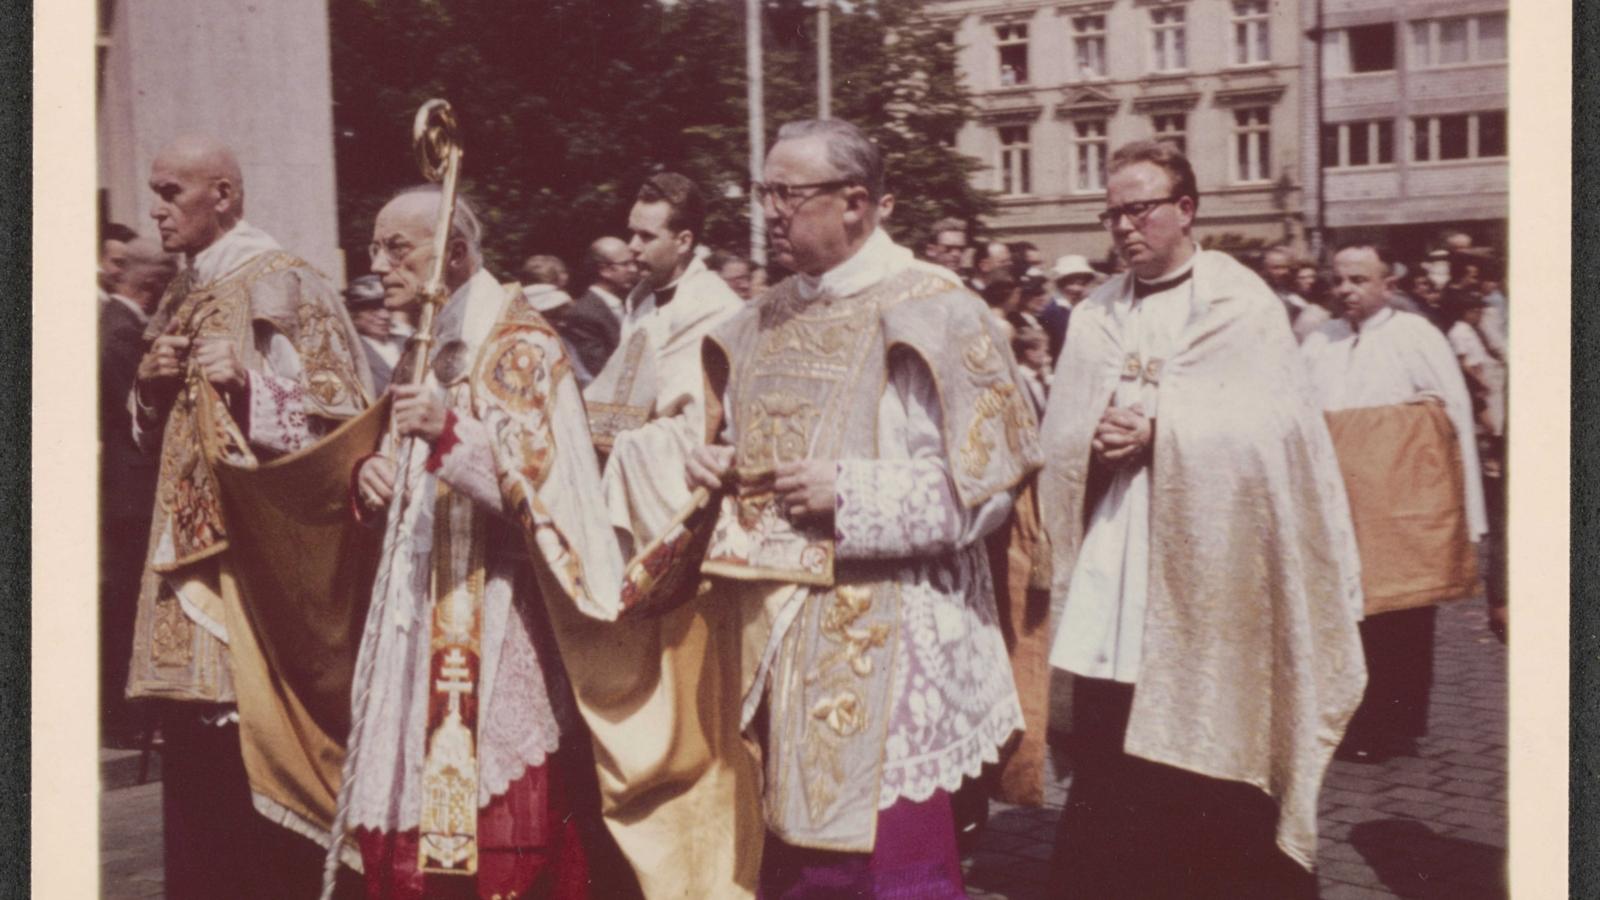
255	74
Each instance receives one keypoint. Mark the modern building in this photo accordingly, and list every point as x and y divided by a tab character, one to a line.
1411	136
1059	85
255	75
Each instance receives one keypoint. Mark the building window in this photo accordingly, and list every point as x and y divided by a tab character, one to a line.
1250	28
1353	144
1352	51
1089	155
1252	144
1168	52
1016	163
1012	42
1454	41
1462	136
1089	45
1172	128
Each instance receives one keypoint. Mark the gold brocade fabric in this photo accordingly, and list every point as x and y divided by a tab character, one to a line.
1252	664
180	645
1403	472
805	379
257	580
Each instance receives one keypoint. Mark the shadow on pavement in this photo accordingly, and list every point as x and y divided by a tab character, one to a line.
1412	861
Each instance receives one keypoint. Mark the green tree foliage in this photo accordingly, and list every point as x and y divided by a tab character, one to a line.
567	105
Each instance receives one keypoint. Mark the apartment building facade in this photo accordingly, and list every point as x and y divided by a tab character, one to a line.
1412	139
1059	85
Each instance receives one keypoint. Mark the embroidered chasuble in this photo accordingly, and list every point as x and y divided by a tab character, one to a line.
1250	664
223	617
497	536
875	646
659	691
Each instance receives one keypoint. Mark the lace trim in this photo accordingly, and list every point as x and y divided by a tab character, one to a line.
890	509
955	698
277	413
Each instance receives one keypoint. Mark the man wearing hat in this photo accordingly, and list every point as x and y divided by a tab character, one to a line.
364	299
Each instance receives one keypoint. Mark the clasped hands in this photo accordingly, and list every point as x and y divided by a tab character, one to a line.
216	357
1123	434
418	412
804	489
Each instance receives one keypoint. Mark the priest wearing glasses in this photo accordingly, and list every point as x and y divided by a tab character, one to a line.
1203	551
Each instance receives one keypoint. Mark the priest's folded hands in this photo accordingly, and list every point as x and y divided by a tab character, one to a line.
1124	433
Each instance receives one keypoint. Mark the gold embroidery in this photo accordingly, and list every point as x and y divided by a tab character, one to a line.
171	632
981	358
843	712
448	825
850	603
515	375
326	355
780	429
829	342
995	403
1152	372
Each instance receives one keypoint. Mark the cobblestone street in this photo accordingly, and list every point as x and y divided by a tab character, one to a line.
1429	826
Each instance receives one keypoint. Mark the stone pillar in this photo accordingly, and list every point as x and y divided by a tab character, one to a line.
256	75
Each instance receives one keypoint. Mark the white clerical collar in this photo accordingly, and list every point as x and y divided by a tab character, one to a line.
237	246
1373	321
144	317
878	258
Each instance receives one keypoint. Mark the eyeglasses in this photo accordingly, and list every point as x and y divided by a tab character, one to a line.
784	197
395	250
1137	211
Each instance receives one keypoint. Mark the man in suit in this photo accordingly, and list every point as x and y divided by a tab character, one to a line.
594	323
114	238
127	476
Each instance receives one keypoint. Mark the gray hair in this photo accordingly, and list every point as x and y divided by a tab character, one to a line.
851	153
465	225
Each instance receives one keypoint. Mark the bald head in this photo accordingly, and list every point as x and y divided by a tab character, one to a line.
145	272
614	266
402	245
199	193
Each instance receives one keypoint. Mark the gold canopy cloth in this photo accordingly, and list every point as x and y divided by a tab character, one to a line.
659	686
1020	561
296	586
1403	472
255	581
1252	664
